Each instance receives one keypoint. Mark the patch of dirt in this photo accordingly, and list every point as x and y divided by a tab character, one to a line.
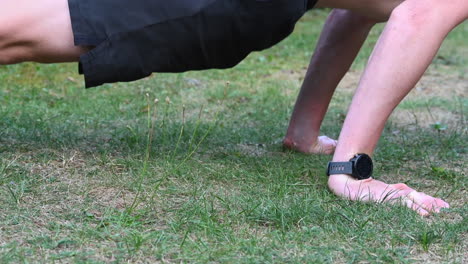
64	184
350	81
437	255
254	150
427	118
112	197
289	75
294	76
432	85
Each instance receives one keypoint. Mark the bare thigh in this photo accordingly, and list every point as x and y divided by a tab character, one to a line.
37	30
379	10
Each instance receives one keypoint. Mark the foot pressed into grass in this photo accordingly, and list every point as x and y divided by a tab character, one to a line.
377	191
323	145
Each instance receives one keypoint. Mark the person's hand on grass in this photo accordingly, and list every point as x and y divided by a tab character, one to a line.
377	191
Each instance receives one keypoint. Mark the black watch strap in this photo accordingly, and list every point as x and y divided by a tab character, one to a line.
340	168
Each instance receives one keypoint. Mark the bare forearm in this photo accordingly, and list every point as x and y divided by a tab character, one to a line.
408	44
342	37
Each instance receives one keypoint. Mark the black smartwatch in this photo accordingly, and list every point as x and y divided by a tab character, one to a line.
360	167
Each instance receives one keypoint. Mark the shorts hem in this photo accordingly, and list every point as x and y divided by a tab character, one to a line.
96	67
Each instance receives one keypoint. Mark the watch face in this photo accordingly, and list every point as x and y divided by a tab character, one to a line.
363	166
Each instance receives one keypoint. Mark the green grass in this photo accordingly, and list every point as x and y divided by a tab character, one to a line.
107	175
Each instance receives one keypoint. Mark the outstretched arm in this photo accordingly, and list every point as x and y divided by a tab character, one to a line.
405	49
342	37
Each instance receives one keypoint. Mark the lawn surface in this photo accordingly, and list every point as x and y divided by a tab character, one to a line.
110	175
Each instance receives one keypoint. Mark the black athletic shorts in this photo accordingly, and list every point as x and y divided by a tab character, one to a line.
132	39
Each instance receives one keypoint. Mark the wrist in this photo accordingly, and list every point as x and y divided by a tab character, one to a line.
343	183
337	183
360	167
340	156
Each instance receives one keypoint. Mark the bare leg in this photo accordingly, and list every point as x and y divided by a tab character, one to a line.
341	39
36	31
408	44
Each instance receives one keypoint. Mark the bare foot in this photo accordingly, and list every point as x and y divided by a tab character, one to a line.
323	145
376	191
